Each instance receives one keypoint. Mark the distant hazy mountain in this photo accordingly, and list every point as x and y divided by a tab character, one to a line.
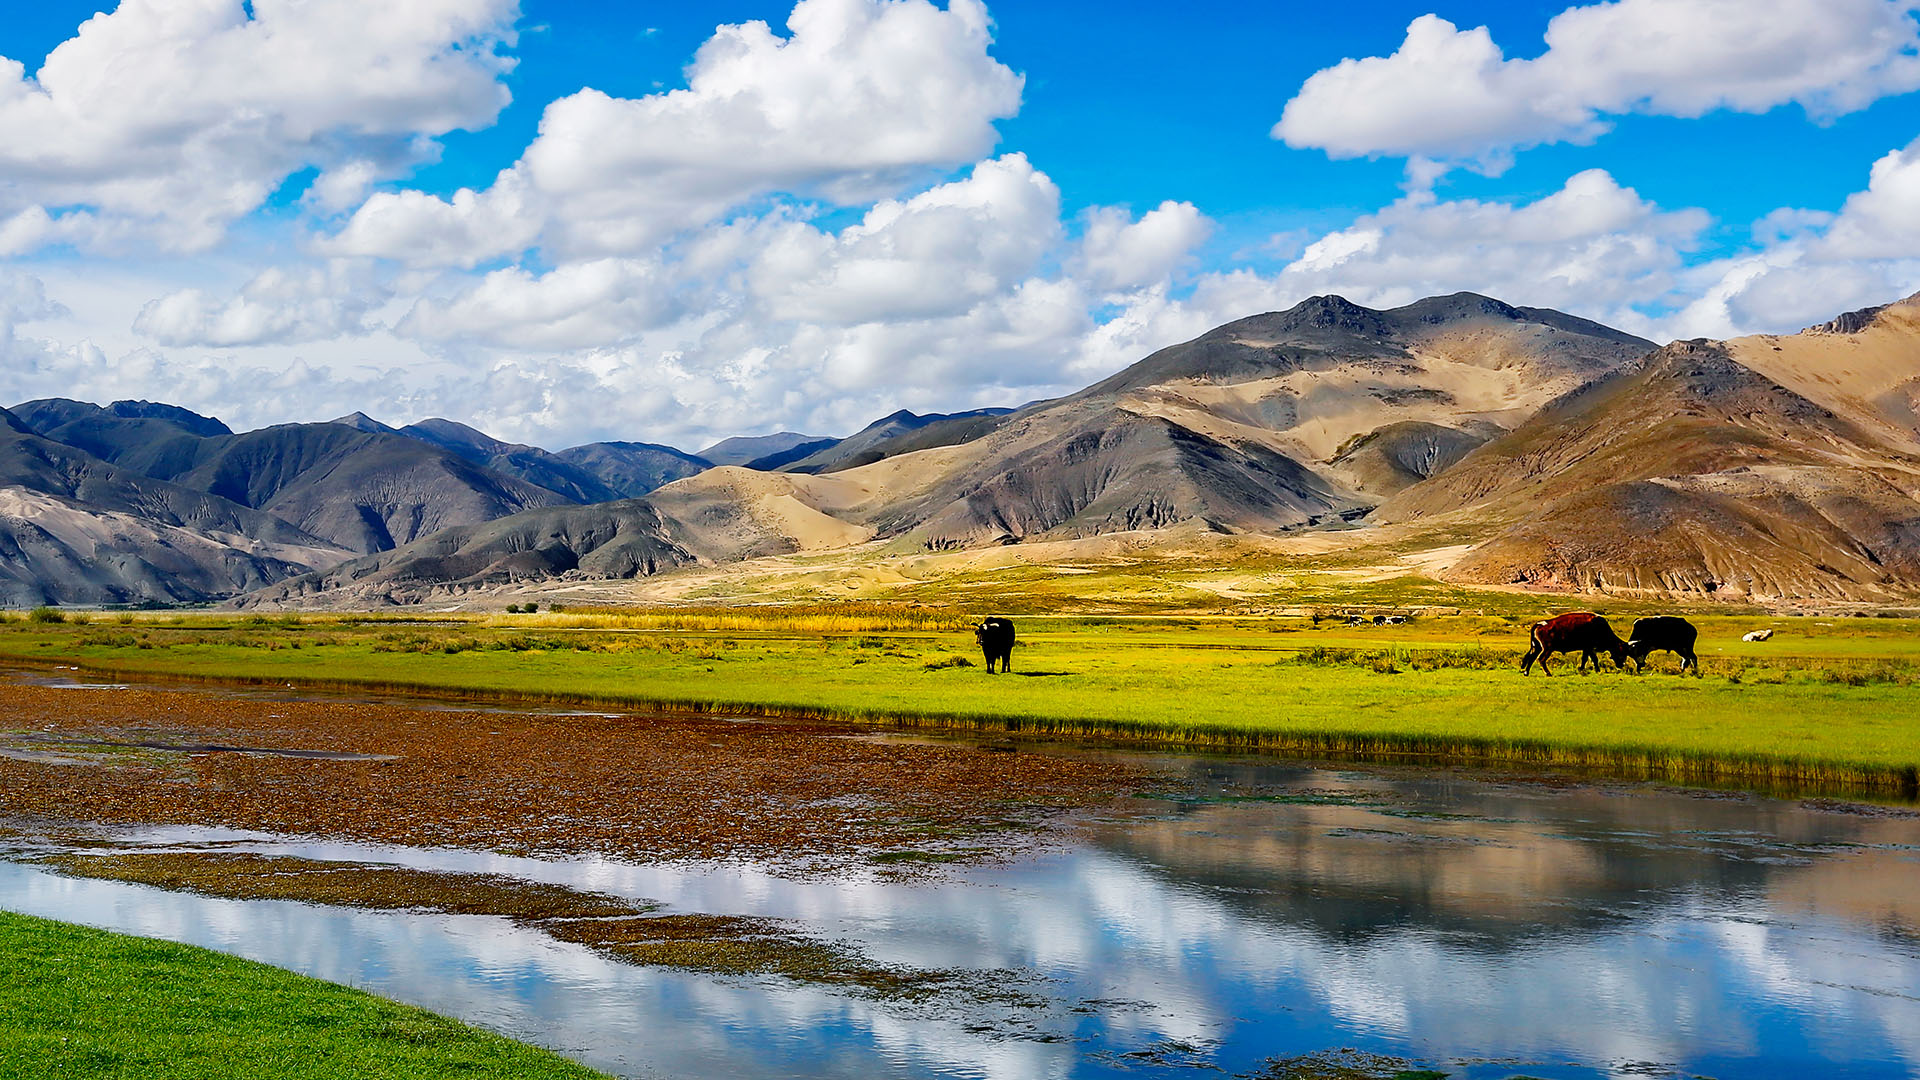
360	421
899	433
595	472
630	469
528	463
776	462
53	412
360	490
744	448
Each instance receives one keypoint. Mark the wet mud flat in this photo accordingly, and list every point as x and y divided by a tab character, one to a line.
643	787
84	768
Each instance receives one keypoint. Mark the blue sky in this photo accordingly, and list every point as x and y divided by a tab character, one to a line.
282	212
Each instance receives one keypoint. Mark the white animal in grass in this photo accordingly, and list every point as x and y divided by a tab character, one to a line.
1756	635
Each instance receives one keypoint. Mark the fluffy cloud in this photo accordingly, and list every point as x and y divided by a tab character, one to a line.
861	97
1452	94
580	305
1811	264
1118	253
1593	247
23	298
278	306
166	120
968	293
1883	221
939	253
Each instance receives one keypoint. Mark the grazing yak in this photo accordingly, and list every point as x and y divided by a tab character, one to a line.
1756	635
1576	631
1657	632
996	642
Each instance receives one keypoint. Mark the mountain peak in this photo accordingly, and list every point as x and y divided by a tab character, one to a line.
1457	307
899	416
1333	312
362	422
204	426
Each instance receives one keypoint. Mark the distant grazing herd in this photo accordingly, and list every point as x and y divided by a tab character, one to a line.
1580	632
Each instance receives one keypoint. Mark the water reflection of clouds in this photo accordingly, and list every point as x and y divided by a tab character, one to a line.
1599	929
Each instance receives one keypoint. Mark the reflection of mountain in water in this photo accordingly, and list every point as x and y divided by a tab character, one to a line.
1352	859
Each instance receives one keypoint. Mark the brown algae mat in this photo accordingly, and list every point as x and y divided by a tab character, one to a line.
628	930
794	795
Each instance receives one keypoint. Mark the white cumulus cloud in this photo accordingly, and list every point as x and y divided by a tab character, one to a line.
1454	95
164	121
1593	247
859	99
278	306
1117	252
600	302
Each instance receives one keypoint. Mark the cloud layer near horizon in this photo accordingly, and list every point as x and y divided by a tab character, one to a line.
820	227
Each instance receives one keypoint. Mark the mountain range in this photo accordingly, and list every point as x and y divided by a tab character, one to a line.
1567	454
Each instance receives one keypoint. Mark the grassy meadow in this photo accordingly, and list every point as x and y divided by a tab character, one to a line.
76	1002
1826	702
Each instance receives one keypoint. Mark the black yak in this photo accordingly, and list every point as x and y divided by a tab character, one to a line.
996	642
1669	632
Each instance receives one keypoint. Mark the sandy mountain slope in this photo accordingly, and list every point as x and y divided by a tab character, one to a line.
1864	365
722	515
729	513
60	551
1243	428
1695	473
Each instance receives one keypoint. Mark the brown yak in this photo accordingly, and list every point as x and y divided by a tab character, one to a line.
1576	631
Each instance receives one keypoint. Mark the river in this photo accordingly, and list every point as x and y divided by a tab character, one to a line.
1487	927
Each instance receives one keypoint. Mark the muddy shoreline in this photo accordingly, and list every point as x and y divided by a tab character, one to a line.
805	796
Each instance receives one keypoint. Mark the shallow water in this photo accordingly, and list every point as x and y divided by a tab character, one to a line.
1490	929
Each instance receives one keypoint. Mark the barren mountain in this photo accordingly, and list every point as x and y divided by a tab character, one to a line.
75	529
897	433
1282	421
610	540
362	490
1242	429
592	473
1765	467
522	462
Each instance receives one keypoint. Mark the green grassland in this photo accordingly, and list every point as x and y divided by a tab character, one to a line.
79	1002
1827	702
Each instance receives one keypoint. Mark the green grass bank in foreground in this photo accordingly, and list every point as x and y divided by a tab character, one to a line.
1825	703
80	1002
